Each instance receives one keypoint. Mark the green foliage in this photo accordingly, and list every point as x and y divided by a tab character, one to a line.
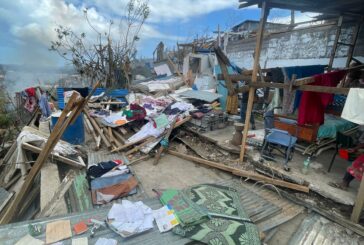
5	121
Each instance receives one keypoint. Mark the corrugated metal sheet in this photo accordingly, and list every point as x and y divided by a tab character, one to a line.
60	96
317	230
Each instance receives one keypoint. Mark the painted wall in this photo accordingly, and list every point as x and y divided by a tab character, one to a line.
305	46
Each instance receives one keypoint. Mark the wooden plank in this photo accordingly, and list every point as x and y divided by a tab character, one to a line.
119	137
223	65
50	174
359	204
138	147
111	137
242	173
58	194
131	144
5	198
98	130
334	47
354	38
34	192
263	19
57	157
93	133
9	153
123	130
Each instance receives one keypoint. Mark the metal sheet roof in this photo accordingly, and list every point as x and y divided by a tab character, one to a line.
335	7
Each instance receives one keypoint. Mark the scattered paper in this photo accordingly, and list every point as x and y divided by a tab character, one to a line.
28	239
58	231
106	241
130	218
165	218
80	241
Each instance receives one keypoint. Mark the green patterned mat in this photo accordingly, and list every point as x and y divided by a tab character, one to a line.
228	222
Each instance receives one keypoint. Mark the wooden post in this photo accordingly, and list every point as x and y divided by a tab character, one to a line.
334	47
353	42
263	19
359	203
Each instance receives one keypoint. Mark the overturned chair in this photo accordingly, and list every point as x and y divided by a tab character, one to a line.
276	139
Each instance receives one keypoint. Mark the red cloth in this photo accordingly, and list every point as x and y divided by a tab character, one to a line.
313	104
357	168
30	92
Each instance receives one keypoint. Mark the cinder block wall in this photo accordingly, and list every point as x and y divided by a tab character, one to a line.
305	46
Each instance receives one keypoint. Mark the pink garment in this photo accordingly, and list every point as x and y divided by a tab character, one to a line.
357	168
30	104
313	104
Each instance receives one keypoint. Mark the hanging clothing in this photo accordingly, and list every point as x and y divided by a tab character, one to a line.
291	99
354	106
313	104
30	92
44	106
30	104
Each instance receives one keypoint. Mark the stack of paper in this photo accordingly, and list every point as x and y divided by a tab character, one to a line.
165	219
130	218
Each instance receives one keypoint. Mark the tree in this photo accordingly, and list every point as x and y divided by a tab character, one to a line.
105	59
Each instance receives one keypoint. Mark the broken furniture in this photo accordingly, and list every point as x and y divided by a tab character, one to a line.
279	140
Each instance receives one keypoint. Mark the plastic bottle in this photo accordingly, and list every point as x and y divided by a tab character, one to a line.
306	165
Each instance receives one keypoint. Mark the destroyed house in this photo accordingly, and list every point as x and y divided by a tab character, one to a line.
256	142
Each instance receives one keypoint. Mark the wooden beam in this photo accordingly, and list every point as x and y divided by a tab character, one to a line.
353	42
359	203
132	143
242	173
62	159
98	130
93	133
263	19
334	47
311	88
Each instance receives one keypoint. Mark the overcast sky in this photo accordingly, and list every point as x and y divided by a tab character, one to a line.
27	26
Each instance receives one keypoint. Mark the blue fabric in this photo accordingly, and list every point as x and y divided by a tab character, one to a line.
103	182
301	72
44	106
304	71
221	86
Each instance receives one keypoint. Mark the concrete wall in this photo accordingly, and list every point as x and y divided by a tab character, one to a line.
305	46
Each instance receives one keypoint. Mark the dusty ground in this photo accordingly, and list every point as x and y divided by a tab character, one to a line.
174	172
318	176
